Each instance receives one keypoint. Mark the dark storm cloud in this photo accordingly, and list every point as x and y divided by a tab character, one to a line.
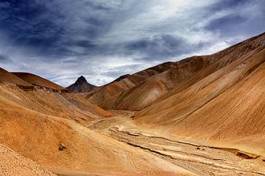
104	39
227	24
26	23
228	4
162	46
46	28
242	17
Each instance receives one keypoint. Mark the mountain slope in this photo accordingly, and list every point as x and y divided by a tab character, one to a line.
81	85
7	77
28	90
158	81
37	81
224	107
107	95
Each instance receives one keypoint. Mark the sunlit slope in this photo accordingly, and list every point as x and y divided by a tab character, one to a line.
226	106
126	94
184	74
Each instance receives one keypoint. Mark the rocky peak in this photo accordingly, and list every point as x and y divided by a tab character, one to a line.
81	85
81	80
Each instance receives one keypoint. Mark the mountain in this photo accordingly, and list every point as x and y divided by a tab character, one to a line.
185	73
37	81
224	106
140	90
7	77
108	95
81	85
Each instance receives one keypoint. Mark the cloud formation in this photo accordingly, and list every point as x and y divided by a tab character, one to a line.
104	39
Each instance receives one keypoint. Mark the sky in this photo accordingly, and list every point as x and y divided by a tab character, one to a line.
104	39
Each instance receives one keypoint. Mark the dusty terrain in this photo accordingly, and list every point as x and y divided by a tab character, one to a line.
12	164
56	137
202	116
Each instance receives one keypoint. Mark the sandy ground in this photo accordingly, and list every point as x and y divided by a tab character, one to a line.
13	164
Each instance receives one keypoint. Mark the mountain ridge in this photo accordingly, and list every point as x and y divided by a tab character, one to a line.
139	90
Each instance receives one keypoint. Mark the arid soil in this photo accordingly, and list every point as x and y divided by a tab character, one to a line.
12	164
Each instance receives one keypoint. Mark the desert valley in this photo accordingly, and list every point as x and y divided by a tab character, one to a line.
200	116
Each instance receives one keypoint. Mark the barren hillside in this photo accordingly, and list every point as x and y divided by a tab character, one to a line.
108	95
162	79
224	107
37	80
7	77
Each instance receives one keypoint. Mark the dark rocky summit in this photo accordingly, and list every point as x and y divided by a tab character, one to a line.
81	85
